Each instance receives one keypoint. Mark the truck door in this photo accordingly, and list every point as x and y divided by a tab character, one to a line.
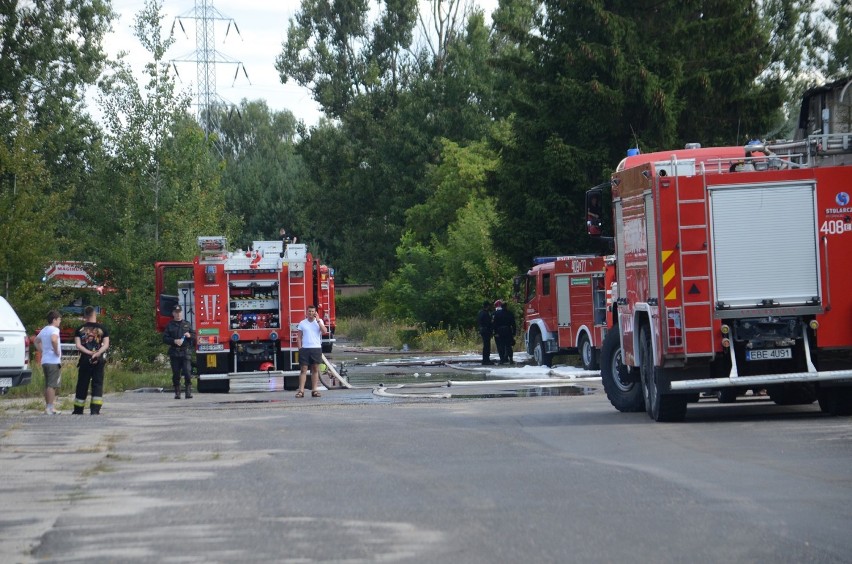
173	286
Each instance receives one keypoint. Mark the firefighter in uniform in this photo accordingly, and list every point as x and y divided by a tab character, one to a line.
178	335
485	331
504	332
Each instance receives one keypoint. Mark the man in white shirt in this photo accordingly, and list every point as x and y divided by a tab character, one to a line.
309	334
47	343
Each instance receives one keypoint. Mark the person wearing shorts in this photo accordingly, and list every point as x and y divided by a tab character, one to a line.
309	334
48	344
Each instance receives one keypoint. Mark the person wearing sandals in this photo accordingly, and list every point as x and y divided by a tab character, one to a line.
309	334
47	343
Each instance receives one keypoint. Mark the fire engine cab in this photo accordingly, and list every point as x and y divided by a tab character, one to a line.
244	307
732	271
565	307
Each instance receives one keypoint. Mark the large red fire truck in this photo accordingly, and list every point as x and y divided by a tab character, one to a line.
245	306
565	307
732	270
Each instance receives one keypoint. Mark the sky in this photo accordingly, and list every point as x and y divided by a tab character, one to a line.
262	25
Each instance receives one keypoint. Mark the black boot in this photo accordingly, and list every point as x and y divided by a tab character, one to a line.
177	391
188	388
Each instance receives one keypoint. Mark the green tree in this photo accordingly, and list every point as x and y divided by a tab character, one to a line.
265	180
49	53
839	62
448	263
335	50
157	192
30	210
591	79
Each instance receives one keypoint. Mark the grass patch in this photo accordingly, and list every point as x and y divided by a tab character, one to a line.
116	379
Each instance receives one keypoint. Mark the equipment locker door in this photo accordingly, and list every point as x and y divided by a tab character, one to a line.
563	301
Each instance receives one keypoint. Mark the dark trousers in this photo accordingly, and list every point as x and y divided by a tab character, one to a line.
181	364
89	373
504	348
486	347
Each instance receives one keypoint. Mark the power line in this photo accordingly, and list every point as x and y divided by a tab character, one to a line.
206	57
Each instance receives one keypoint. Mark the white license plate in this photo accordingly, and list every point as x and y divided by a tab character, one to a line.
5	382
769	354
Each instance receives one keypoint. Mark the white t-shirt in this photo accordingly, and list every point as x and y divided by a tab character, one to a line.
48	356
311	334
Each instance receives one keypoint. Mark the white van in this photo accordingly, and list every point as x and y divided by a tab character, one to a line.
14	349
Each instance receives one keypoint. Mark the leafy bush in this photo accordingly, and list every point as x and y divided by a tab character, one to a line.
361	305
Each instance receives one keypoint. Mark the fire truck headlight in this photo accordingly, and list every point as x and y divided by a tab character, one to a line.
235	337
725	329
814	324
726	343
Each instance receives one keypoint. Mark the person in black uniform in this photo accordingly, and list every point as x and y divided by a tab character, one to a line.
178	335
504	332
92	340
485	331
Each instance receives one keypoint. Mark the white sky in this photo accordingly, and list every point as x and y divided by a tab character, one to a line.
263	27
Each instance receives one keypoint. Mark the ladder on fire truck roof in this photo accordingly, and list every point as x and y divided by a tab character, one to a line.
694	286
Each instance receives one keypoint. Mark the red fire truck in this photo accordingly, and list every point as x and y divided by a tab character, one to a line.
245	306
732	265
565	306
75	282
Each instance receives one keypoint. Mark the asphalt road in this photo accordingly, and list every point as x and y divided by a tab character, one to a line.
354	477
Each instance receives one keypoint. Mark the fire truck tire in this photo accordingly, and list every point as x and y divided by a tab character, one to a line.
792	394
727	395
835	401
623	391
588	354
541	358
659	406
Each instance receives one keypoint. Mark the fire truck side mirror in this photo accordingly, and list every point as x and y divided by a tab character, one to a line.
594	211
516	288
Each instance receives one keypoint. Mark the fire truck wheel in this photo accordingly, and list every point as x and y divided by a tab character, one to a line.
792	394
588	353
622	390
727	395
835	401
660	407
541	358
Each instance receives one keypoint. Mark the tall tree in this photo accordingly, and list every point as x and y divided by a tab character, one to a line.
50	51
156	194
334	49
30	210
592	78
265	181
839	62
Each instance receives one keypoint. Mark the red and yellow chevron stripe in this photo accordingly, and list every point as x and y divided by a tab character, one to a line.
669	276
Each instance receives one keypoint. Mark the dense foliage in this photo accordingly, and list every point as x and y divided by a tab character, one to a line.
456	145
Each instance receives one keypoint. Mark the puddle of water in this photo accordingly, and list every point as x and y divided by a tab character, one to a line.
474	393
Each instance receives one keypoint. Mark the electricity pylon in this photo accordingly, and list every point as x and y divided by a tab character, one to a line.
206	57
